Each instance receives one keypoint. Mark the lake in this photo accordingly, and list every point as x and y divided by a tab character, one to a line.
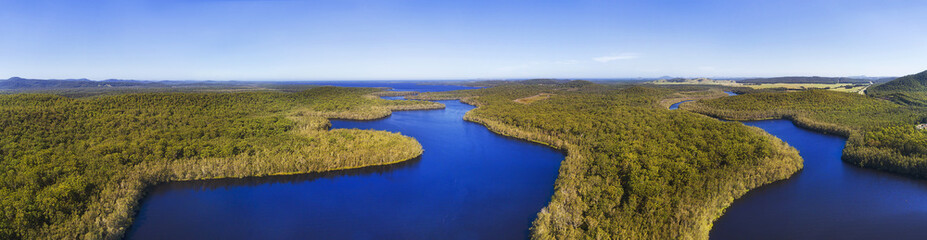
469	184
827	199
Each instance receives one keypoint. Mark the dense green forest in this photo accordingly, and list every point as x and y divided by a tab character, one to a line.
882	134
907	90
634	170
75	168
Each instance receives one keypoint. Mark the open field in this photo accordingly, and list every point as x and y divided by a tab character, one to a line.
840	87
531	99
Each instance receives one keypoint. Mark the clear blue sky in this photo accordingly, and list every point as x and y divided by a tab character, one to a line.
384	39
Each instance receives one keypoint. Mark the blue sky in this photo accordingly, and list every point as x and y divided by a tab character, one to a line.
384	39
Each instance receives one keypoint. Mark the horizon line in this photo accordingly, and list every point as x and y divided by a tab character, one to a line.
440	79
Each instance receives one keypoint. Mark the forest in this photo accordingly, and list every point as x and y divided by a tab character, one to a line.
75	168
634	170
881	134
907	90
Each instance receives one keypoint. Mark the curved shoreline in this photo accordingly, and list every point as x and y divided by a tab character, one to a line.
572	152
518	195
120	218
770	136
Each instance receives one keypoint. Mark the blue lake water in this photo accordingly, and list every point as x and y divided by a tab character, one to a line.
827	199
473	184
676	105
468	184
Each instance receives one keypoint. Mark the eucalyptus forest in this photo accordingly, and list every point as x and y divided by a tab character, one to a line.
76	163
634	169
75	168
881	127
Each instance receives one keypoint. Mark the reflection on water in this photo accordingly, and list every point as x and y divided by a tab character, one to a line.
827	199
468	184
676	105
224	183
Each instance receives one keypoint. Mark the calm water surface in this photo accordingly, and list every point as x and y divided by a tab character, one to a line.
676	105
828	199
469	184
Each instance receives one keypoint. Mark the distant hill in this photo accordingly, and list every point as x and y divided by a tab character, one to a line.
542	81
15	83
907	90
826	80
25	84
493	83
696	81
909	83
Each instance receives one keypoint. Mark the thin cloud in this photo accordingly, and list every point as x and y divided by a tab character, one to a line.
567	62
623	56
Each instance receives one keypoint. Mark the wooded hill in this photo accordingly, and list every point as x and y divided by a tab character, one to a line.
634	170
75	168
910	83
908	90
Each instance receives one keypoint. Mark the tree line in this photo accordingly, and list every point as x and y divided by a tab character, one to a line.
881	134
76	167
634	170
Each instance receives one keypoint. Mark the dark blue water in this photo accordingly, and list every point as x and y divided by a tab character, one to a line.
394	98
418	86
676	105
468	184
828	199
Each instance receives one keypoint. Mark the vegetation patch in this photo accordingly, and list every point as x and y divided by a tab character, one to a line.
783	84
882	134
529	100
907	90
75	168
674	98
633	170
393	93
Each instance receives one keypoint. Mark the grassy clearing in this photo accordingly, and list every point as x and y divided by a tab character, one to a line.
531	99
671	99
840	87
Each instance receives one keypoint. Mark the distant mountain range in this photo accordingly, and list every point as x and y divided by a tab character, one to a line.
17	83
23	83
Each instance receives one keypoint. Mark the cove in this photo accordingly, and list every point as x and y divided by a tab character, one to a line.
469	184
827	199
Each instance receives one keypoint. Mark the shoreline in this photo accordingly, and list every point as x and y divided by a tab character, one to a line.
115	222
